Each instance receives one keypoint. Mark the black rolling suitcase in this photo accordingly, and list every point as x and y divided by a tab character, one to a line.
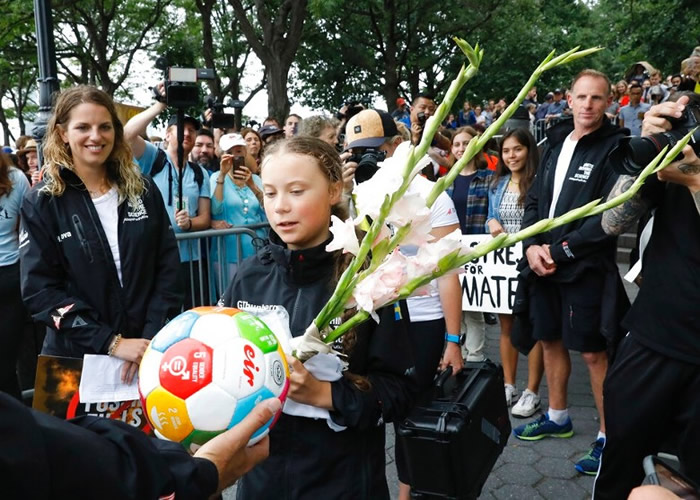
451	443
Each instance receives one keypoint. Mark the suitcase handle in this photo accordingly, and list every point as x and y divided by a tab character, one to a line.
441	378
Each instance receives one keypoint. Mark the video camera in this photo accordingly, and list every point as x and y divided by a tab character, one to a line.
220	119
632	154
366	159
181	90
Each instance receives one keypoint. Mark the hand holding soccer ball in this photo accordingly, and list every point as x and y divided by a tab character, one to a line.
206	370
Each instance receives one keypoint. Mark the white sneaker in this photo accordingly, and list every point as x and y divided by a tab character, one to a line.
511	394
527	405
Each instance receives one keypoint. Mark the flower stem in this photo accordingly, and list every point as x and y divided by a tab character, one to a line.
457	259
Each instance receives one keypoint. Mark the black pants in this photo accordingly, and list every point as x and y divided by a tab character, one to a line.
12	315
428	340
648	398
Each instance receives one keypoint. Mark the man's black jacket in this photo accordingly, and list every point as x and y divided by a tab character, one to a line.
581	244
43	457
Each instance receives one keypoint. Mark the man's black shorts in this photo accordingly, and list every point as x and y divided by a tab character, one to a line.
569	311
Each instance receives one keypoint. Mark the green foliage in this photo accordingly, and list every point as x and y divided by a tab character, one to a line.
662	32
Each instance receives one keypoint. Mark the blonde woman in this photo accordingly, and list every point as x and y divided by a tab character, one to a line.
98	256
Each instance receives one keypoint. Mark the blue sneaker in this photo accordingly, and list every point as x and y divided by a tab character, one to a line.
542	428
589	463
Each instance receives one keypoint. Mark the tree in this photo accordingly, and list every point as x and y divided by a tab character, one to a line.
660	32
387	47
97	40
273	29
17	66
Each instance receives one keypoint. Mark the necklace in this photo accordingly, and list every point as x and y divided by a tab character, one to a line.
100	190
513	182
242	193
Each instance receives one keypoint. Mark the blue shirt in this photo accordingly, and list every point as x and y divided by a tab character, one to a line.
632	117
191	192
239	207
557	108
9	217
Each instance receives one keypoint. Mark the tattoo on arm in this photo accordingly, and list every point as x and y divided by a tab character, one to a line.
689	169
617	219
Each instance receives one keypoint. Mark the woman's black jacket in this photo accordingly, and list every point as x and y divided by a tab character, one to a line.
70	281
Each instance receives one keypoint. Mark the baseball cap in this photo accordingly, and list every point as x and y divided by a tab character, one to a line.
549	95
229	141
558	91
369	129
187	119
269	130
400	101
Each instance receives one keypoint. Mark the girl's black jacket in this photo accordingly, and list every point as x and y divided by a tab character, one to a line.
307	459
70	281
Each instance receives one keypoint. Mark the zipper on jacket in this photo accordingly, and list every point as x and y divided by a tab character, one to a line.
89	205
295	308
84	243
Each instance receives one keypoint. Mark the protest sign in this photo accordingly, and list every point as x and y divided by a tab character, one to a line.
489	282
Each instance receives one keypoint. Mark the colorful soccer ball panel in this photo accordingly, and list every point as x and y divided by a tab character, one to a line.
256	331
186	367
168	414
149	379
177	329
237	368
277	372
214	329
210	408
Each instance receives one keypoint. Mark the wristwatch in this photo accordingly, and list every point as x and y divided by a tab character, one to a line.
456	339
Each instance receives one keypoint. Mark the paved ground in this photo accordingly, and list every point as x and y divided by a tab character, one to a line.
538	469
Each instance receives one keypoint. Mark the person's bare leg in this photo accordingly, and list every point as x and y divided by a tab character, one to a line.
597	363
557	368
509	354
535	368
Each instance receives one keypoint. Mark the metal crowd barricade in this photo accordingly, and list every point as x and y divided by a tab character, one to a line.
539	130
210	278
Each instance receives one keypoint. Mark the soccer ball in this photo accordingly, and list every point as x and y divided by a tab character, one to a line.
206	370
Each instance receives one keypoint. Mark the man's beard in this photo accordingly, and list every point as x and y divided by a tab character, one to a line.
204	160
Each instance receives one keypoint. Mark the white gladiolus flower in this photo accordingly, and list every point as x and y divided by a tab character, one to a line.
344	237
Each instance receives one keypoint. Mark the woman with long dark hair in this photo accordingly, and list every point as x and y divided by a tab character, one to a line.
99	261
518	159
13	187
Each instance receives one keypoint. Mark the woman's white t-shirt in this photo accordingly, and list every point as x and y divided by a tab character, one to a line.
107	207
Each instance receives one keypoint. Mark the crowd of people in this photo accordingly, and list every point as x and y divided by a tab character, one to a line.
632	97
88	249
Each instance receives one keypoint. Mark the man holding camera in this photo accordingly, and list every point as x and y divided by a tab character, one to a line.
194	213
651	391
423	108
573	284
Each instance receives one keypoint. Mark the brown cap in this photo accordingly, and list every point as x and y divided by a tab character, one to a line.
369	129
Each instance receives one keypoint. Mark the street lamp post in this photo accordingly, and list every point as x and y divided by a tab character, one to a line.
48	79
